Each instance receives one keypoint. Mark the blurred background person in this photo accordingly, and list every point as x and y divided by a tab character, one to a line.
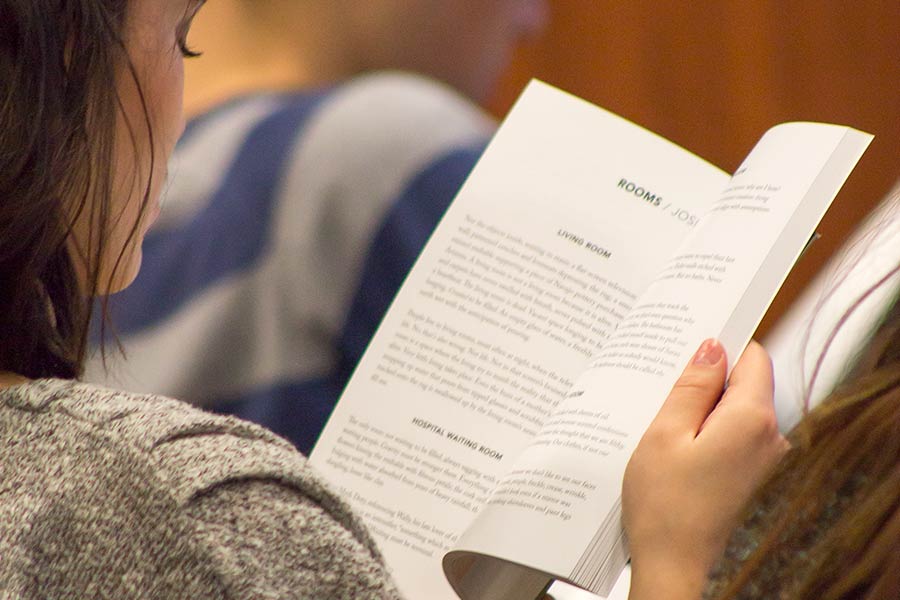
254	45
682	70
301	193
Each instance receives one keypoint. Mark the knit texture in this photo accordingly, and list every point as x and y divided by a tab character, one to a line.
105	494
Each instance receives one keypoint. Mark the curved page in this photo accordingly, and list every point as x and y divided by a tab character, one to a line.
563	490
562	225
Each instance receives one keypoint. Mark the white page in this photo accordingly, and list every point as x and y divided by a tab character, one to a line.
540	255
717	285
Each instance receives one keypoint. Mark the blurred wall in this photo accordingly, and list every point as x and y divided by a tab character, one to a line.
713	76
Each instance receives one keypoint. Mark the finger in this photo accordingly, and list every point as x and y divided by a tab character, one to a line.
696	392
750	394
753	372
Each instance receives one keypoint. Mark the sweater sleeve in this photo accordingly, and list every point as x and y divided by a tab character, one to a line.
156	499
269	525
271	541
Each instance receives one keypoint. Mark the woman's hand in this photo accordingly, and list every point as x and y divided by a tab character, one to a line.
695	468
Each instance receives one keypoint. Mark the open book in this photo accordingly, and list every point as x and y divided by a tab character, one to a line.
486	430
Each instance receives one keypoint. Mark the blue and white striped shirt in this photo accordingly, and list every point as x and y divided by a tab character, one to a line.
289	223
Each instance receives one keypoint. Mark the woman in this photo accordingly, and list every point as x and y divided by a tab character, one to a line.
105	494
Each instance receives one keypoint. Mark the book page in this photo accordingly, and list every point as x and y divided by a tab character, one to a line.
718	284
561	226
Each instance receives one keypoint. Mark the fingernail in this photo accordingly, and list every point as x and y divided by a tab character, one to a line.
709	353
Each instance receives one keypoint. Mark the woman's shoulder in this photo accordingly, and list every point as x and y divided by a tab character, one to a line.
146	423
163	485
91	508
187	448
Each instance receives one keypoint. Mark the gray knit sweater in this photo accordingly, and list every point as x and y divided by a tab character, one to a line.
106	494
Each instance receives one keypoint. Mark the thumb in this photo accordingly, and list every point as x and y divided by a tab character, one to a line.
697	391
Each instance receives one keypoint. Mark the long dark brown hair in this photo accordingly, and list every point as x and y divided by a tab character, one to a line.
827	524
58	107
